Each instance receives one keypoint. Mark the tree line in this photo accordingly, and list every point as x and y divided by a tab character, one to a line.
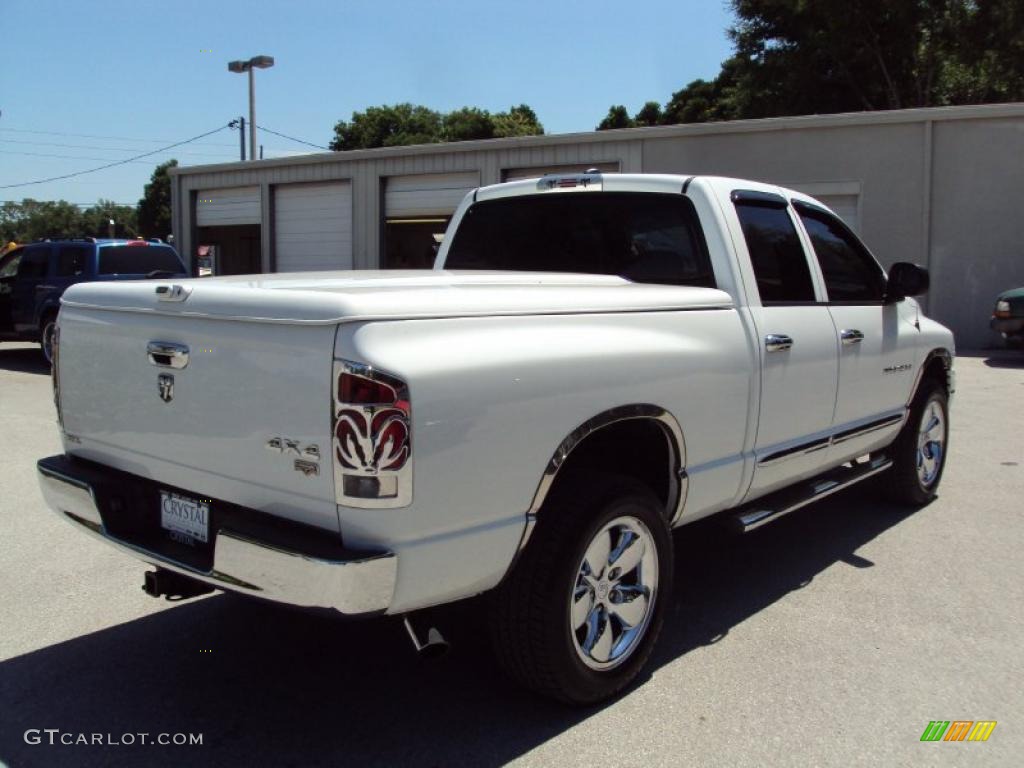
793	57
28	220
790	57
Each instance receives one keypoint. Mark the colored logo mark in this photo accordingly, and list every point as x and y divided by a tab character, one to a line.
958	730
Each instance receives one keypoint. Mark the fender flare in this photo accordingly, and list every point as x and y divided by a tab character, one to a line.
940	353
678	479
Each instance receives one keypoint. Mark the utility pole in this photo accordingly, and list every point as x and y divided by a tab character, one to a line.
240	125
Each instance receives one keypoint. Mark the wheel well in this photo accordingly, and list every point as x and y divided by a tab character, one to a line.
641	449
936	368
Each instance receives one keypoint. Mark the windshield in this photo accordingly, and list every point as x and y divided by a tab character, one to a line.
138	260
647	238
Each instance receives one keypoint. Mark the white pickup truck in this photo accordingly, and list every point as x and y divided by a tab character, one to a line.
595	360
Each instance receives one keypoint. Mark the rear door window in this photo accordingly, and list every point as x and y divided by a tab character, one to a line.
644	237
35	264
138	260
780	264
851	273
72	260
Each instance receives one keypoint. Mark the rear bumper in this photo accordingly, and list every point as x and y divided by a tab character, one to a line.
267	558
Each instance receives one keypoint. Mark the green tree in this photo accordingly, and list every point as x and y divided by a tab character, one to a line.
649	114
794	57
518	121
466	124
388	126
37	219
153	213
403	124
617	117
95	220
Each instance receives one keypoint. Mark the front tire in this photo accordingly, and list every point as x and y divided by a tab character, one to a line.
578	617
919	453
46	337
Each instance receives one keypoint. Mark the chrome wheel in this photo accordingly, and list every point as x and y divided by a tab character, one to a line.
931	443
47	340
612	599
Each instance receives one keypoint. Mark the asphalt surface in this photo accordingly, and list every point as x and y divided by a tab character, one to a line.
831	637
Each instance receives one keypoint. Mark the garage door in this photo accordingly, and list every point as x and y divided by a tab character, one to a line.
225	207
512	174
313	226
845	207
431	194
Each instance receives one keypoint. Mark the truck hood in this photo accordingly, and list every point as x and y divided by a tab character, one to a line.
333	297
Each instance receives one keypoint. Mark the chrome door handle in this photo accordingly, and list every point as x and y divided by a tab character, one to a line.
777	342
167	354
851	336
45	287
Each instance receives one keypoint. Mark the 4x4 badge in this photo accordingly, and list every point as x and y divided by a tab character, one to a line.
165	383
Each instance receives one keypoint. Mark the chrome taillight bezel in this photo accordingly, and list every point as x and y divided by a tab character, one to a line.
371	443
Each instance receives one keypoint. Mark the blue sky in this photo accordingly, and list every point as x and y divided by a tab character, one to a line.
100	81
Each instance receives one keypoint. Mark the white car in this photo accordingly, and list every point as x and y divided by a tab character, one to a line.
596	360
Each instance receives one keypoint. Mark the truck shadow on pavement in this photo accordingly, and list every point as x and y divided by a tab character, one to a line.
23	360
267	686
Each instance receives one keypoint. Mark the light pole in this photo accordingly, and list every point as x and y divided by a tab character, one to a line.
256	62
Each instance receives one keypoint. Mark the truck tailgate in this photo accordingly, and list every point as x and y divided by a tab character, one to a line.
246	420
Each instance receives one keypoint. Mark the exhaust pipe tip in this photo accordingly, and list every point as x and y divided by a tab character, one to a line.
435	645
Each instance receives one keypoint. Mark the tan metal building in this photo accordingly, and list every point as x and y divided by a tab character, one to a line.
942	187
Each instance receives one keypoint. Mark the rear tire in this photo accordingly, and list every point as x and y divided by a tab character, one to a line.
577	618
919	453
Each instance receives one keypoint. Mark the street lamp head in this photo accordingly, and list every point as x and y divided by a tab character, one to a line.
262	62
238	66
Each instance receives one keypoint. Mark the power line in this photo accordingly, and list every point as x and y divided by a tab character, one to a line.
291	138
128	138
77	205
64	157
102	149
119	162
98	136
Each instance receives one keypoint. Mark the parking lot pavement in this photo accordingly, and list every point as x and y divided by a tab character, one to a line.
832	637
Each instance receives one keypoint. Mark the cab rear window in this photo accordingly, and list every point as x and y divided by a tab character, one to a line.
138	260
644	237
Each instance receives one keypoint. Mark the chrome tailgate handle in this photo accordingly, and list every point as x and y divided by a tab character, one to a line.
851	336
166	354
777	342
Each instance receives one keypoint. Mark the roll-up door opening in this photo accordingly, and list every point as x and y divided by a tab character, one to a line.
417	210
228	234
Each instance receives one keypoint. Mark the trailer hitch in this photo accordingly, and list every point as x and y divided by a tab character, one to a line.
173	586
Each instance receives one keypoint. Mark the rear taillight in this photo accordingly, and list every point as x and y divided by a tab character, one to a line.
372	437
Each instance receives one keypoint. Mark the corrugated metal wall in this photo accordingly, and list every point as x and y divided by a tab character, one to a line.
936	186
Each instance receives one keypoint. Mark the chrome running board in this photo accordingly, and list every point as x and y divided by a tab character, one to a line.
774	506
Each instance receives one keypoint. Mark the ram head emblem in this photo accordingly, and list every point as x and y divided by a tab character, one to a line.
370	441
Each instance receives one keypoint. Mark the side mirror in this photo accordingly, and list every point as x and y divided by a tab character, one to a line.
906	279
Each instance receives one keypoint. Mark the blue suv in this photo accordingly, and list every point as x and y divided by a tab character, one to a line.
33	277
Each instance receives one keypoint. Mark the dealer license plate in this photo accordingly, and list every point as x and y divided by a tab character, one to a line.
186	518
